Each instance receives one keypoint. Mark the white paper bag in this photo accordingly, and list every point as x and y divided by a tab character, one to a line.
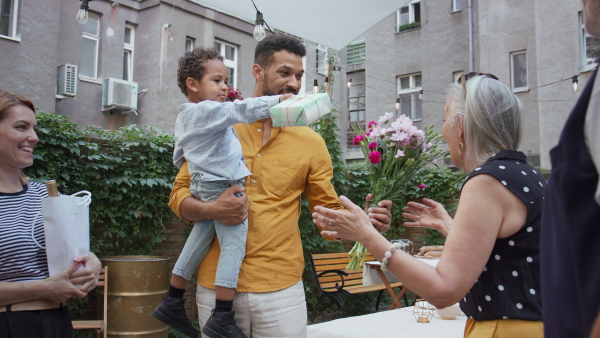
66	229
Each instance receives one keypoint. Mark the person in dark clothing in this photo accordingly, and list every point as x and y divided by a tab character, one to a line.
571	217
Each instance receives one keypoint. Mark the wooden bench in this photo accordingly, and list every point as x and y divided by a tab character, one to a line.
98	325
333	279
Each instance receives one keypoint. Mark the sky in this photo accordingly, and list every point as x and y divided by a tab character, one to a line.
332	23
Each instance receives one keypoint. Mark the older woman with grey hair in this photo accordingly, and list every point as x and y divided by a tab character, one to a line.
490	262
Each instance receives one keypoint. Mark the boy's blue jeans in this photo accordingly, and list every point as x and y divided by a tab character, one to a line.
232	238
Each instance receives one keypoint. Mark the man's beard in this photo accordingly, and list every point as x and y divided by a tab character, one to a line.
267	91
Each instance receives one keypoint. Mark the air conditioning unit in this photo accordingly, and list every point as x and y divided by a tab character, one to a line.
66	80
119	94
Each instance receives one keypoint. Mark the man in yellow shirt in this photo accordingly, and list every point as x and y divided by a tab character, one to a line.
285	162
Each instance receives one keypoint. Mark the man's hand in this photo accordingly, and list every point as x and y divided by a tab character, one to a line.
229	209
380	215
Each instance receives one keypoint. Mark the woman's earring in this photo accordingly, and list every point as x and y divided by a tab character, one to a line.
460	146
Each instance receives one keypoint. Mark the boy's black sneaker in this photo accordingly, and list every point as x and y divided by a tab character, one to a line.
171	311
222	325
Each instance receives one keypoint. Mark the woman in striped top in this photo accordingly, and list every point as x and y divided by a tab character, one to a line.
32	304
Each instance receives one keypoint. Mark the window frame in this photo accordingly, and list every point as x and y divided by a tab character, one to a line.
457	6
414	91
230	64
356	53
321	65
360	101
95	38
411	14
512	72
190	43
129	50
13	18
583	35
456	75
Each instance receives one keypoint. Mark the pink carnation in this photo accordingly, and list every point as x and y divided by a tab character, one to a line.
372	123
372	145
375	157
422	186
358	139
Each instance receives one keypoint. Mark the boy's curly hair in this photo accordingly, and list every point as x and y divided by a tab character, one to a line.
191	64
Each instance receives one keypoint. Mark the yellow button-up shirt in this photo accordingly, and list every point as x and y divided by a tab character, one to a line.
295	160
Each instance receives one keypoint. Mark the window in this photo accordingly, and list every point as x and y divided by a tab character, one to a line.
409	88
590	47
89	47
356	53
456	75
356	103
518	71
533	160
229	53
9	10
322	65
456	5
409	16
189	44
128	53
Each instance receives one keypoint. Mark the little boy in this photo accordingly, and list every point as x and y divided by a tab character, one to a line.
205	138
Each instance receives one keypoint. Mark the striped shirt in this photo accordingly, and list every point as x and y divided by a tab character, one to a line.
20	259
205	138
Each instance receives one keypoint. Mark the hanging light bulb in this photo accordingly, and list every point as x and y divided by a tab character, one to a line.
575	84
349	83
316	87
397	103
421	95
82	14
326	81
259	29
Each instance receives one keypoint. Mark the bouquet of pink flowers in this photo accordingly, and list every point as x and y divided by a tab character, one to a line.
394	153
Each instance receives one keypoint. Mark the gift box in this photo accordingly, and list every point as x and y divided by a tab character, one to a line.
300	111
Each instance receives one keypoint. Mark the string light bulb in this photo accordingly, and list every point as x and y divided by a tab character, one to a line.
397	103
259	29
421	95
82	14
316	87
575	84
349	83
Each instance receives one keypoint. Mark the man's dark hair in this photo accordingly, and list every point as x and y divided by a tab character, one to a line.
191	64
263	55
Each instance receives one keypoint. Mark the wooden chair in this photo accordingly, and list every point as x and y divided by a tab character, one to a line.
333	279
98	325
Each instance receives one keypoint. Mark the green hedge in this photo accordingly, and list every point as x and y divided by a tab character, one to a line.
129	172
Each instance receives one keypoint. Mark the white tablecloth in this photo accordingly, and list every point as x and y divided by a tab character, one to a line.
392	323
370	275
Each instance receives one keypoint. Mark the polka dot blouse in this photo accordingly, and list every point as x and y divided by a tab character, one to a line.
509	285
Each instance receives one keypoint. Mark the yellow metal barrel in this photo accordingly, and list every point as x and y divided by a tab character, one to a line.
136	285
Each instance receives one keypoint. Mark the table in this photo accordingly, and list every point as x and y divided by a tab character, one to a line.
393	323
372	274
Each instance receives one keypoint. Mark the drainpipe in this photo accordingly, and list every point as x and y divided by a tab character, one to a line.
471	53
